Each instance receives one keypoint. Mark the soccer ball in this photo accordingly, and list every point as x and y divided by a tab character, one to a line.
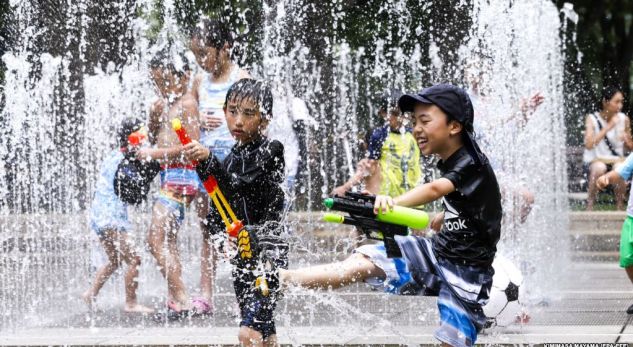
504	307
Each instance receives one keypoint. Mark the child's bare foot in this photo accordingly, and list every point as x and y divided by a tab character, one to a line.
88	298
522	318
137	308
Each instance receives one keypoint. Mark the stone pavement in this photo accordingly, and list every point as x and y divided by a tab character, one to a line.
588	307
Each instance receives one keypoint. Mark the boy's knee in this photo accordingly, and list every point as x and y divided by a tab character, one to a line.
155	248
597	168
113	264
134	261
528	197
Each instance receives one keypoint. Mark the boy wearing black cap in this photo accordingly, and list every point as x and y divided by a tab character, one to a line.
456	264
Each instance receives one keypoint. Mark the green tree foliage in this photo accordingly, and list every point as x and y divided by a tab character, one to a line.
599	52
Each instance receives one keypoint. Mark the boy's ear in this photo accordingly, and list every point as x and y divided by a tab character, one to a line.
455	127
264	123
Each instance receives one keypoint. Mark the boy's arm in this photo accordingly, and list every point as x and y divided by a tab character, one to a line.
365	171
190	116
269	170
628	140
621	173
417	196
425	193
155	112
610	177
160	154
195	86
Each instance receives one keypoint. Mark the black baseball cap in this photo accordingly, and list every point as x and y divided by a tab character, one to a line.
128	126
453	101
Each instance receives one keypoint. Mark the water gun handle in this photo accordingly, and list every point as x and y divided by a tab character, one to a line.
182	134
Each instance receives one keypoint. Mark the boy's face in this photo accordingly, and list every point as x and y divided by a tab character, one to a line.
169	84
431	129
394	117
244	120
209	58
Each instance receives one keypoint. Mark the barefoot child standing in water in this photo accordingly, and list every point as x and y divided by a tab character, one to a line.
179	180
109	219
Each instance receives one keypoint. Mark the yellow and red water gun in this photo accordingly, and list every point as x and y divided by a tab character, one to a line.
233	225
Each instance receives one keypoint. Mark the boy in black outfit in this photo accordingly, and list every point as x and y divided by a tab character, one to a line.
250	177
456	264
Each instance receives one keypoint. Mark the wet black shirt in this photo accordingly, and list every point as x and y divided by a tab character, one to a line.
250	178
472	213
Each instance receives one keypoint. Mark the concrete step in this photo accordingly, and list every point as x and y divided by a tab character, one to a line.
596	256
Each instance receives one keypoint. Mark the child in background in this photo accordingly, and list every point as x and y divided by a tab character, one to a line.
212	44
392	166
109	220
619	175
179	180
251	177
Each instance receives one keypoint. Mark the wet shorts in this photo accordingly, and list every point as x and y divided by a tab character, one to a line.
183	181
257	311
626	243
462	290
174	204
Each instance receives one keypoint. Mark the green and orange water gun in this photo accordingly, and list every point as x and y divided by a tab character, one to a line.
233	225
383	226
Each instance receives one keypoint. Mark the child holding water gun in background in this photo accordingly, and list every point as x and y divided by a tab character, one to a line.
179	181
392	166
109	220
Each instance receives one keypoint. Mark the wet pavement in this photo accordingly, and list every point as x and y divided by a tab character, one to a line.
588	306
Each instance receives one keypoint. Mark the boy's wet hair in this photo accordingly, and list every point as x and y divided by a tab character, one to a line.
176	63
258	91
212	33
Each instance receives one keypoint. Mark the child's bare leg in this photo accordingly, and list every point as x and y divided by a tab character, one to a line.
335	275
250	337
619	188
526	202
207	254
629	272
133	262
207	267
165	226
107	241
177	286
271	341
596	169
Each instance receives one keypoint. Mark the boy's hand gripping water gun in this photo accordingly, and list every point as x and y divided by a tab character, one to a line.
381	226
233	225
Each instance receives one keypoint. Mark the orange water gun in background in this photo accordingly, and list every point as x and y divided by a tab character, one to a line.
233	225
